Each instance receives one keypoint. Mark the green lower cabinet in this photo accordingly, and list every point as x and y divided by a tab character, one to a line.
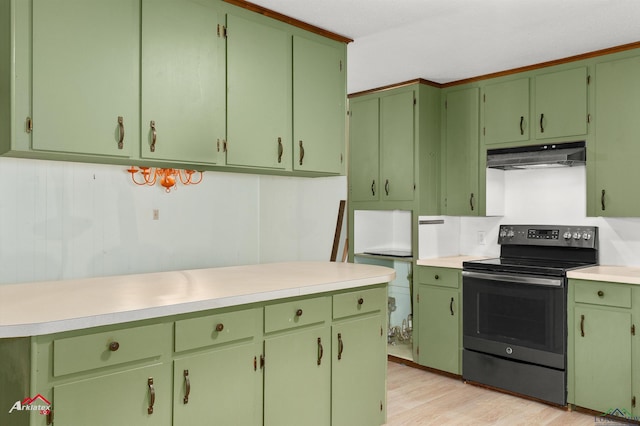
297	378
207	385
358	374
140	396
439	331
603	359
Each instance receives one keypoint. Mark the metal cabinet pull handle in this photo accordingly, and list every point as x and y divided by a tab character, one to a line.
280	150
154	136
301	153
582	325
600	293
602	200
299	313
114	346
373	187
121	132
219	327
28	125
340	346
451	306
320	351
471	202
152	395
541	123
436	276
360	301
187	387
386	186
521	125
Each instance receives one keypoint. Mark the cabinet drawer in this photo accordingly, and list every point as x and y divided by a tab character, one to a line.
81	353
446	277
282	316
215	329
603	293
359	302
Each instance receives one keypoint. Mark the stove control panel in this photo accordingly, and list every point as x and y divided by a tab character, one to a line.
549	235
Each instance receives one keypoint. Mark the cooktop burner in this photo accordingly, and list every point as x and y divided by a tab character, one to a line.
552	267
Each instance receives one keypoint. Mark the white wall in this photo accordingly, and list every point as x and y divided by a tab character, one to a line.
70	220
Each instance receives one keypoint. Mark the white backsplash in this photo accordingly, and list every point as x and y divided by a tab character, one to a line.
63	220
544	196
382	229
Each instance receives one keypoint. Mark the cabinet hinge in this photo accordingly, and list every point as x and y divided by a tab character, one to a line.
588	118
261	362
633	402
218	145
415	101
588	80
418	350
225	147
633	329
381	406
484	131
341	158
381	331
484	97
222	31
446	104
29	125
340	65
49	419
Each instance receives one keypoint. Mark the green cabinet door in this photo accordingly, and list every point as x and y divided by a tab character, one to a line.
364	149
183	91
397	182
561	104
602	342
220	387
297	378
140	396
85	76
358	373
319	96
461	158
506	111
439	338
613	175
258	94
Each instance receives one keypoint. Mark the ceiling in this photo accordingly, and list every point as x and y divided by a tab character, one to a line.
450	40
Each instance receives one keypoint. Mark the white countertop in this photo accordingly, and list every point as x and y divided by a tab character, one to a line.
449	261
38	308
617	274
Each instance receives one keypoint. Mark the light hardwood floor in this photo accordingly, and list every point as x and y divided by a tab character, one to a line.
417	397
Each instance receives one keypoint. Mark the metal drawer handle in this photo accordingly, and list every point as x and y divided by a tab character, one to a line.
320	351
340	346
114	346
373	187
582	325
121	132
152	395
541	123
154	135
471	202
301	153
187	387
386	186
451	306
602	200
437	277
600	293
280	150
360	301
220	327
299	313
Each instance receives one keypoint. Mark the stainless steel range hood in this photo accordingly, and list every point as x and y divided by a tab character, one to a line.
537	156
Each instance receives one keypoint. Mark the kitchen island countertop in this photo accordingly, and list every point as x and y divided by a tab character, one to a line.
448	261
617	274
39	308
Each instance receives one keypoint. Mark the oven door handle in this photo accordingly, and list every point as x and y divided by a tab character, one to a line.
521	279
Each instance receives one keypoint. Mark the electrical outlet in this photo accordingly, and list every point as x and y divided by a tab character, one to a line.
156	214
481	238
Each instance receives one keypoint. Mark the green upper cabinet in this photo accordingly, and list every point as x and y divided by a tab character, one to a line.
319	97
183	81
506	111
85	76
364	149
397	146
561	104
613	172
259	105
461	158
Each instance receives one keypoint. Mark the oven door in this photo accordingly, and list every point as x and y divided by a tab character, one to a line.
520	317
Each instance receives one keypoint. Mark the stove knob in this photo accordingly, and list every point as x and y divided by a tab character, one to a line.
503	233
567	235
510	234
577	235
587	236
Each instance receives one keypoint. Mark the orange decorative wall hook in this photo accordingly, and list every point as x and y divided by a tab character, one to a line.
166	177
